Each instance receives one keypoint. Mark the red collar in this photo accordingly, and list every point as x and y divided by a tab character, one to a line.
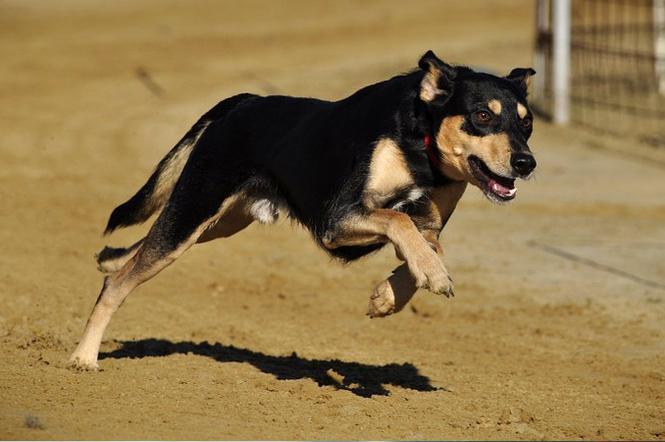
433	157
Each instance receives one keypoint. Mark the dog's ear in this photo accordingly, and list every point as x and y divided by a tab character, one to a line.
437	84
521	77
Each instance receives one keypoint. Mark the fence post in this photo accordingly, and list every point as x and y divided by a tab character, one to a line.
561	61
540	55
659	43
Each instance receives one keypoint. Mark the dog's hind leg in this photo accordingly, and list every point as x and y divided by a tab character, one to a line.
193	208
159	249
111	259
235	218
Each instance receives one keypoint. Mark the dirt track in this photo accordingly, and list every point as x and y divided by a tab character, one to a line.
261	336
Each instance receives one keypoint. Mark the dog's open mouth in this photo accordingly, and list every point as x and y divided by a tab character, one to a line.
497	186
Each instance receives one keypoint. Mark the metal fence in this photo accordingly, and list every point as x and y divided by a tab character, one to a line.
616	80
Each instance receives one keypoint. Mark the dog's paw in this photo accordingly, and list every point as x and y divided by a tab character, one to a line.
382	301
79	363
430	273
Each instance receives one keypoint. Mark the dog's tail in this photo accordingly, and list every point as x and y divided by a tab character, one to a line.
154	193
152	196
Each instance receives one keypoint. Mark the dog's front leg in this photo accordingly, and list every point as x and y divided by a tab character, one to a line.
393	293
383	225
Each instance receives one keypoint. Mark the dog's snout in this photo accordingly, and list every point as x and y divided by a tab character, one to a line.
523	163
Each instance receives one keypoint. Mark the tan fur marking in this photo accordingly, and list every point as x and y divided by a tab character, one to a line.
456	146
383	225
232	219
495	106
521	110
172	171
429	86
445	199
388	172
391	295
380	226
527	81
111	265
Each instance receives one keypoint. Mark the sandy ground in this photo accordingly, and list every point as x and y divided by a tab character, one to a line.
556	330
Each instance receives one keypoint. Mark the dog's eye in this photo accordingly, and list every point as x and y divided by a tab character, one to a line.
527	122
483	117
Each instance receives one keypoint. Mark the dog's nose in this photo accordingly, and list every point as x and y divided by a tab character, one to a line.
523	163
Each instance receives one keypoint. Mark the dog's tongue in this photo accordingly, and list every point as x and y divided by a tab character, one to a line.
500	189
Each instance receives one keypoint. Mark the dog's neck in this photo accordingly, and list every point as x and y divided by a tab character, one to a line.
417	128
434	160
434	157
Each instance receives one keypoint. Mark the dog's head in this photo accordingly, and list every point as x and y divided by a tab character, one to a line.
482	124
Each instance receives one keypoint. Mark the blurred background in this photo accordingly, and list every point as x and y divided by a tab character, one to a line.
605	59
556	330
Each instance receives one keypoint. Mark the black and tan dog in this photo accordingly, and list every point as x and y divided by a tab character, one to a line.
387	164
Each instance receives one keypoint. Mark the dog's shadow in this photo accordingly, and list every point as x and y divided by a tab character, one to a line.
363	380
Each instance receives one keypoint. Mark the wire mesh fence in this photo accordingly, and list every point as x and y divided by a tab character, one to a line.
617	70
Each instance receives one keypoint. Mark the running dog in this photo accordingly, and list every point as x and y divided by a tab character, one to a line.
388	164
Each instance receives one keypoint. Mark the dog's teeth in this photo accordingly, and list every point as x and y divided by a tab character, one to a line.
502	190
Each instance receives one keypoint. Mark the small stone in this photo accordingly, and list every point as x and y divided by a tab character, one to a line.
33	422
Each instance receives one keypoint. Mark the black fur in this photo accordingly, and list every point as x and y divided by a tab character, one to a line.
314	155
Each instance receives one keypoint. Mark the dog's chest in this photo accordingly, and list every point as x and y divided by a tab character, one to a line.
389	183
